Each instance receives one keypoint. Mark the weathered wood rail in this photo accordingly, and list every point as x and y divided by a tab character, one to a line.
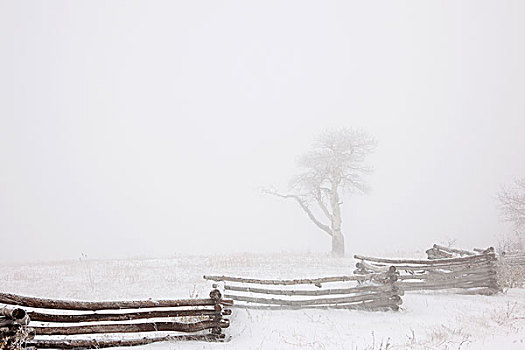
472	273
378	291
515	259
441	252
510	265
36	322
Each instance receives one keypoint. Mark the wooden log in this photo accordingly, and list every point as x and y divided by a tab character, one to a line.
97	344
470	278
423	285
443	266
391	303
314	281
215	295
480	291
13	314
453	250
445	279
226	302
426	262
11	330
13	299
335	291
5	322
467	266
484	251
427	279
97	317
438	286
467	272
131	328
433	253
319	301
463	274
450	276
363	265
464	269
449	267
409	287
9	322
489	250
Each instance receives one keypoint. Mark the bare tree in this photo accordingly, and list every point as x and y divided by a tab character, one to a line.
335	165
512	204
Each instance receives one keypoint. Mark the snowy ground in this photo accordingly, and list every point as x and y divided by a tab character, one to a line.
440	320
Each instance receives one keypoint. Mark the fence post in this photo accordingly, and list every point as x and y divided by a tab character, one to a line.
493	281
216	296
392	276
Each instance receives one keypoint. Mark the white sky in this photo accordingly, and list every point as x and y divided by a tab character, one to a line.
147	127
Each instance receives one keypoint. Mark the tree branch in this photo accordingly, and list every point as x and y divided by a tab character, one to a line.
319	198
304	206
512	204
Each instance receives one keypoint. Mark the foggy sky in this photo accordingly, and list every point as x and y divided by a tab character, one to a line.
148	127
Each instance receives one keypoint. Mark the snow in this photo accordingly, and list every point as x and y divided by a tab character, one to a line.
434	320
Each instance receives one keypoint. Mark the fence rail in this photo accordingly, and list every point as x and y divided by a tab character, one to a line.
440	252
36	322
378	291
470	272
510	265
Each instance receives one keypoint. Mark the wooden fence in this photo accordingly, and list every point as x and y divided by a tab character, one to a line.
514	259
441	252
472	274
510	265
378	291
61	324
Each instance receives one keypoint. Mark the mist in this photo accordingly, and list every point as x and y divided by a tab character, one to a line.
134	128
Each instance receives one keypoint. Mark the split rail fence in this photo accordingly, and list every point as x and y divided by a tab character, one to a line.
514	259
28	322
510	265
472	274
441	252
364	292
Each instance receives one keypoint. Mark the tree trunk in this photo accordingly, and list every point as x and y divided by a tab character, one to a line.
338	244
338	240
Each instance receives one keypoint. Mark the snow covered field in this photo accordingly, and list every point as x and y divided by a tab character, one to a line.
438	320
